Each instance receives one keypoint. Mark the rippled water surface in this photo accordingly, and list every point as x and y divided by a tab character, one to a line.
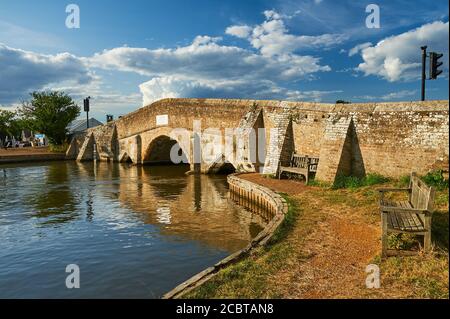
134	232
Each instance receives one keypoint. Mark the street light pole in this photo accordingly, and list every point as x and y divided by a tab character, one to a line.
424	61
86	109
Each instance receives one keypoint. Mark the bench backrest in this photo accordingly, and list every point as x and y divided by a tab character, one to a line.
314	161
302	161
299	161
421	195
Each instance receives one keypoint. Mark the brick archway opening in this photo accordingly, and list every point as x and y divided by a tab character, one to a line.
159	151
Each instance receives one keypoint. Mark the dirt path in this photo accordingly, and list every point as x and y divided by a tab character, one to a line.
332	258
287	186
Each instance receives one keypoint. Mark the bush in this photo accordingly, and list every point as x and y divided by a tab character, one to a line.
58	148
402	241
436	179
373	179
355	182
404	181
347	182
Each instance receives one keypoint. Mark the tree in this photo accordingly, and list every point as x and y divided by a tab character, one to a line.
50	113
10	124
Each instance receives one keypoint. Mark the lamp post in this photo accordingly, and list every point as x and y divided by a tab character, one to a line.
424	61
86	109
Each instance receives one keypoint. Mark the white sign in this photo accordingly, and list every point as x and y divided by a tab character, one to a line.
162	119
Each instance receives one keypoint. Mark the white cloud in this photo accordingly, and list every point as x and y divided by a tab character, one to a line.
103	100
164	87
358	48
239	31
206	68
398	95
273	38
23	71
398	57
392	96
206	58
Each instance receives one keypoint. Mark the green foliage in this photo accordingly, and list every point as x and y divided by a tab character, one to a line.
404	181
342	181
318	183
374	179
436	179
10	124
50	113
59	148
288	221
402	241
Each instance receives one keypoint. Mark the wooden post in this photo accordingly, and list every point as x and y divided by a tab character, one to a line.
384	234
427	236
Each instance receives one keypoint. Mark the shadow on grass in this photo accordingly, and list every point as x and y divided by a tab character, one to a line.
440	229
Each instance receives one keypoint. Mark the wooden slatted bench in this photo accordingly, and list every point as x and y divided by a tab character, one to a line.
411	216
301	165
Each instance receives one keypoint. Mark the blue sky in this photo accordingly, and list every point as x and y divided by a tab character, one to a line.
128	54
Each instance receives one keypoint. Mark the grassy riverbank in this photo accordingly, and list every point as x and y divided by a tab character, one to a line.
323	248
30	154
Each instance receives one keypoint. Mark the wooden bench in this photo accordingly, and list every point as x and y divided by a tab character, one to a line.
302	165
411	216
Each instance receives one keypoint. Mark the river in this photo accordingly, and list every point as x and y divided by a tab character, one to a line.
133	231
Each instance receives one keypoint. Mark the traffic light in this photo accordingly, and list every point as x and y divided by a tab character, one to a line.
86	105
435	64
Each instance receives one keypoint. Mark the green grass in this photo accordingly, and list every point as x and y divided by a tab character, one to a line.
422	276
402	241
342	181
288	221
319	183
58	148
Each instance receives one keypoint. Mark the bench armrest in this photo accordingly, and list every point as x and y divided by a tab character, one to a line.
389	209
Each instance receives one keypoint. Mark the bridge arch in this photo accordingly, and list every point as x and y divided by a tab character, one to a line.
221	166
159	148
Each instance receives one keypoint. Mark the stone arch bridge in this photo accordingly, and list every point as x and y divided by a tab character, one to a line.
391	139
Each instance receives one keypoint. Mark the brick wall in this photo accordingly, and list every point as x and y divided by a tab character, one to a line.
387	138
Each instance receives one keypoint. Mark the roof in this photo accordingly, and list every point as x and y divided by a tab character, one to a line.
78	126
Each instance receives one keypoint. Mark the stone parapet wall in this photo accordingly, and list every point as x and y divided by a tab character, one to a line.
391	139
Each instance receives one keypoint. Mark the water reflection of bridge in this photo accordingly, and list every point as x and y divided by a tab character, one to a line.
193	207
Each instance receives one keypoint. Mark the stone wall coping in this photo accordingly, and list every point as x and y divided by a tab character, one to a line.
411	106
431	105
260	240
